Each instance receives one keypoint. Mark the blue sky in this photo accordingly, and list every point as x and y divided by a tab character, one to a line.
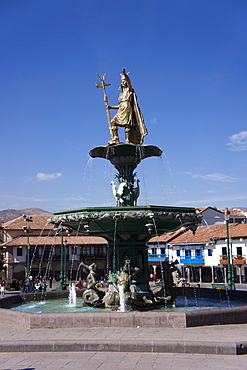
187	61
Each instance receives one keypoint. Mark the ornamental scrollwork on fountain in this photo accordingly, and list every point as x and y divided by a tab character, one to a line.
124	216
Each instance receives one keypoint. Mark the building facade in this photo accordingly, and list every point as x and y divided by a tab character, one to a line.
39	243
202	255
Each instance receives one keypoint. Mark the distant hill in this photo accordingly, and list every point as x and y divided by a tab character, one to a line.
11	214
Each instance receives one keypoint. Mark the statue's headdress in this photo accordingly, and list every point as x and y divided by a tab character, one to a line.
125	77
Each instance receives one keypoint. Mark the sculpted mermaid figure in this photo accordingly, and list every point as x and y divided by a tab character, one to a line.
91	296
128	115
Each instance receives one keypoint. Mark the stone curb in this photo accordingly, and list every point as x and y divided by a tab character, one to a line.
226	348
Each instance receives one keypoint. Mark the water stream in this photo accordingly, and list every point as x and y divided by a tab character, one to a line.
74	250
122	306
158	246
37	244
72	295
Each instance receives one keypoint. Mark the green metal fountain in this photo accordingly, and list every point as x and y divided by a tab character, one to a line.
126	226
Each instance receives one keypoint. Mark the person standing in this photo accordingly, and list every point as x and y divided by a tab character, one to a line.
30	285
2	288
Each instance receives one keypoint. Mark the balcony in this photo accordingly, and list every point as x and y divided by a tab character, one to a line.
192	260
87	257
191	254
47	257
156	257
237	259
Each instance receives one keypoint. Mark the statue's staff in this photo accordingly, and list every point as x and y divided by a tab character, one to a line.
103	85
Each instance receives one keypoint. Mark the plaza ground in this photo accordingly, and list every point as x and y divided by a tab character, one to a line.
119	361
90	360
58	348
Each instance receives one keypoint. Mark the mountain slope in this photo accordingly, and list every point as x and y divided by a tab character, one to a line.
11	214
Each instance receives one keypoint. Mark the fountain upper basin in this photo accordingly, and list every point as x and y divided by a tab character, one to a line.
101	219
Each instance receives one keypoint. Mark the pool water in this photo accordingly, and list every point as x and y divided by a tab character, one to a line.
183	304
53	305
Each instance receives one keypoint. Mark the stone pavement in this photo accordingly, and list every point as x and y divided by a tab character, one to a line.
222	339
119	361
208	347
86	348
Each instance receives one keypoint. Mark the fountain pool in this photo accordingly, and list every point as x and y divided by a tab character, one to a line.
183	304
210	308
53	305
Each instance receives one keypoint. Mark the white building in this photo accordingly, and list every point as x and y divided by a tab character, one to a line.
214	216
203	255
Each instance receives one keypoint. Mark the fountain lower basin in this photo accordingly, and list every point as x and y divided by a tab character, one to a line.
183	304
174	319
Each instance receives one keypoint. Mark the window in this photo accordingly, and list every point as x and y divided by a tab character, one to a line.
97	251
210	252
224	251
187	253
239	251
198	253
74	250
100	251
40	251
57	251
86	251
178	253
19	251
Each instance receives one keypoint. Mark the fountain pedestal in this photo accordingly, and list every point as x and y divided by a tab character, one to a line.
125	158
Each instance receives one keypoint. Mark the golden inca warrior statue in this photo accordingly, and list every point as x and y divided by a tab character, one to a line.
128	113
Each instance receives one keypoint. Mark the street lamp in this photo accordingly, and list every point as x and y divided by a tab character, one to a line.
27	230
63	251
230	272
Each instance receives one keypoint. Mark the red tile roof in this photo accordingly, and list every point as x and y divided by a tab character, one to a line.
52	240
165	237
202	209
237	213
203	234
38	223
